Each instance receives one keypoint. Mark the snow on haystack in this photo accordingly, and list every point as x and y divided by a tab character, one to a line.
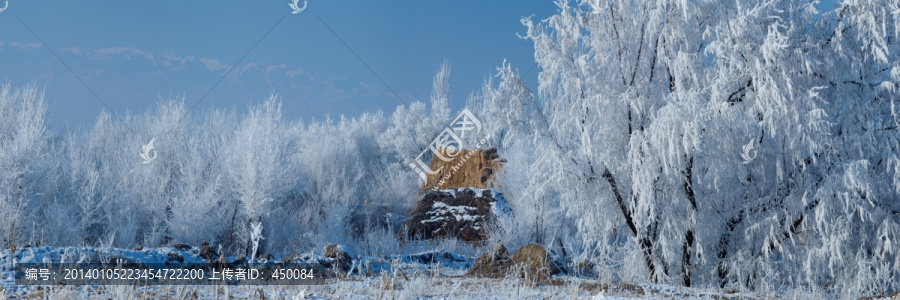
462	213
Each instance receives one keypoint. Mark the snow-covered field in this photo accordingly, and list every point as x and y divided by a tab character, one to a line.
412	276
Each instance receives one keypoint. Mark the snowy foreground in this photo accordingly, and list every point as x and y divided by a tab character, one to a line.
419	275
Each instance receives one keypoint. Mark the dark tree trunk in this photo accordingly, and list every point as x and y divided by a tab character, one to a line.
645	241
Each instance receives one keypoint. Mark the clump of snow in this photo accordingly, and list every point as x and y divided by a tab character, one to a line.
445	258
459	212
499	205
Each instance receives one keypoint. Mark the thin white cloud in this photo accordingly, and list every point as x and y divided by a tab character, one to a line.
26	46
364	89
298	80
246	67
75	50
213	64
296	72
273	68
128	52
175	62
266	70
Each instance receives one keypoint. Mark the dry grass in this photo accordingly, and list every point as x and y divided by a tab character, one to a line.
469	168
535	263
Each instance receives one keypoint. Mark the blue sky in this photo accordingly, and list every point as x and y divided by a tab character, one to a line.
132	53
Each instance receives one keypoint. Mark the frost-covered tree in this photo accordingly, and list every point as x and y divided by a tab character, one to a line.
412	127
606	74
26	162
201	194
260	165
644	109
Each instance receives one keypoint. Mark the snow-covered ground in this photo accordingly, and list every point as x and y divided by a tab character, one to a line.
413	276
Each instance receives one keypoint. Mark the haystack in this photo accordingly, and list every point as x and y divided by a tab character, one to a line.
532	262
494	264
535	263
467	168
462	213
340	256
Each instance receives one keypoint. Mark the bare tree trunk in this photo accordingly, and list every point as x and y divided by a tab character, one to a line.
689	235
645	241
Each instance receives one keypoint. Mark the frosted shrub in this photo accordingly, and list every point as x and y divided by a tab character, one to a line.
26	162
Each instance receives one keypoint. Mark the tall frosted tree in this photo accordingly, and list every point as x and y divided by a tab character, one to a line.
730	143
25	161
